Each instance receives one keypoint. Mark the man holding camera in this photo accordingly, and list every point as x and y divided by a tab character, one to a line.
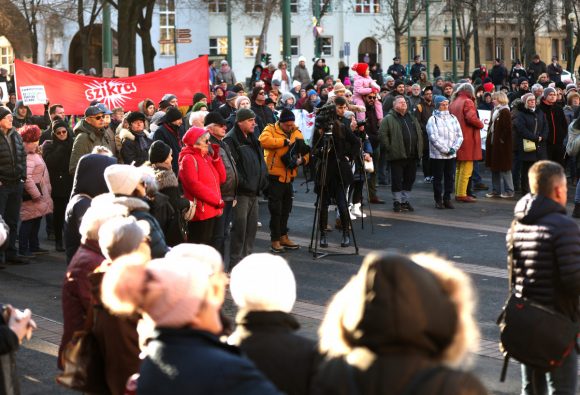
284	150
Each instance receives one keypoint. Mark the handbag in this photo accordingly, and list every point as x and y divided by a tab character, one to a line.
84	366
369	166
530	145
533	334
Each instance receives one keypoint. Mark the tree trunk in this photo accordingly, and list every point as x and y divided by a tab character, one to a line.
475	21
467	58
398	37
268	10
144	32
529	47
127	24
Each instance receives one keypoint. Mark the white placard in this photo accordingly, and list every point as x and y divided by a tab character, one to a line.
485	117
33	94
305	122
4	92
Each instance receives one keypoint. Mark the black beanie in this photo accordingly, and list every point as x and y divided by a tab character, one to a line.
244	114
58	123
198	96
172	114
214	117
3	112
158	152
287	115
135	116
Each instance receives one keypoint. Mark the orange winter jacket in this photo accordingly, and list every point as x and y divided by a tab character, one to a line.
272	141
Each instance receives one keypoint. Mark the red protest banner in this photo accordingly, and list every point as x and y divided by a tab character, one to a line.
75	92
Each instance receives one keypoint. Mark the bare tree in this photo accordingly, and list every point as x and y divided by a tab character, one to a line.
398	15
86	28
268	8
30	9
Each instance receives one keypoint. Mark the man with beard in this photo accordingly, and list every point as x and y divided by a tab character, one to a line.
372	131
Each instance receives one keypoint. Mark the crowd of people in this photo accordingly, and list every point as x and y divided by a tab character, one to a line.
157	209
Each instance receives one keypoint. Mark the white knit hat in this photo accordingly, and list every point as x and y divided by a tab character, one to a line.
263	282
122	179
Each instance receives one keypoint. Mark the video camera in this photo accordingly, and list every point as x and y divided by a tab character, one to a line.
325	118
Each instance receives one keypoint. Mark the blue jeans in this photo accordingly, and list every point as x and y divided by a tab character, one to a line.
577	195
221	230
28	235
499	178
562	381
10	201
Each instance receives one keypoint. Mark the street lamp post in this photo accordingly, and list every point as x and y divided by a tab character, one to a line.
286	33
229	30
454	44
408	38
572	20
427	33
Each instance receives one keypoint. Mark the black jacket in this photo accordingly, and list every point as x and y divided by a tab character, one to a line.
268	339
546	254
12	163
56	154
535	69
229	187
530	125
498	74
169	187
89	181
169	134
557	124
397	71
189	361
8	346
135	148
249	158
264	116
416	70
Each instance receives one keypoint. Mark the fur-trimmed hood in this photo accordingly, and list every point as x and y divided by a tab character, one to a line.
165	178
398	304
132	203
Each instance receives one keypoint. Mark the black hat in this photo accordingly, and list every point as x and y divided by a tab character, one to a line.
4	112
237	89
135	116
215	118
287	115
198	97
244	114
58	123
522	79
158	152
396	58
172	114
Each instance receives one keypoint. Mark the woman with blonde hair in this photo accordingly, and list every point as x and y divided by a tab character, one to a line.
499	148
400	322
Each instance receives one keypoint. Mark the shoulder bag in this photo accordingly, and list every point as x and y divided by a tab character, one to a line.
531	333
530	145
83	362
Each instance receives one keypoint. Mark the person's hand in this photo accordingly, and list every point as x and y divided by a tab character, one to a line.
539	138
221	204
367	157
299	161
21	323
451	151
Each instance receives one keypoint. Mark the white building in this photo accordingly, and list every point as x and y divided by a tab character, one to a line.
202	27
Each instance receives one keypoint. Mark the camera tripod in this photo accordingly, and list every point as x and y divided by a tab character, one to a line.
327	145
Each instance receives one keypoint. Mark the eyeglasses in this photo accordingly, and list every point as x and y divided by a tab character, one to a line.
261	93
61	132
98	117
371	97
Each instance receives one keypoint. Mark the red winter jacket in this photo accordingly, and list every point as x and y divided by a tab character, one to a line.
463	108
201	176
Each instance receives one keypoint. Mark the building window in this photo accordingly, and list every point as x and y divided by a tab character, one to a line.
294	6
294	45
253	6
514	50
217	6
423	48
489	48
459	49
218	46
326	46
499	48
251	45
167	27
556	48
413	48
367	7
6	55
447	49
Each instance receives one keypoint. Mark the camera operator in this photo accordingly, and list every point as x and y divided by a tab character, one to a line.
284	150
330	122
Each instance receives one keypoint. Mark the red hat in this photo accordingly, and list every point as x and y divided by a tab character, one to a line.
360	68
488	87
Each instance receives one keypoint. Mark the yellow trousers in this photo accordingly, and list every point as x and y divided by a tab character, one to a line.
462	174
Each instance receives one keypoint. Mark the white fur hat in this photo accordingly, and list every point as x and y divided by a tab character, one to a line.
122	179
263	282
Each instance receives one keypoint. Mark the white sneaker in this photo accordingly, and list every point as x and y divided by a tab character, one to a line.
259	224
356	211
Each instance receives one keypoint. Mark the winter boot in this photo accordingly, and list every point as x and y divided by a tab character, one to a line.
323	240
345	242
287	243
276	248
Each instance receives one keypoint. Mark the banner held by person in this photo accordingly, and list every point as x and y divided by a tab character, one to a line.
75	92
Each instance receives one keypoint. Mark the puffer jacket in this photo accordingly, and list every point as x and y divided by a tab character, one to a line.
12	167
407	323
273	140
543	237
249	159
230	185
531	125
201	176
463	108
573	144
86	138
37	173
444	133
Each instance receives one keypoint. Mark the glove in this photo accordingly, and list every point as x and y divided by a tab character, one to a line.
221	204
216	151
451	151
